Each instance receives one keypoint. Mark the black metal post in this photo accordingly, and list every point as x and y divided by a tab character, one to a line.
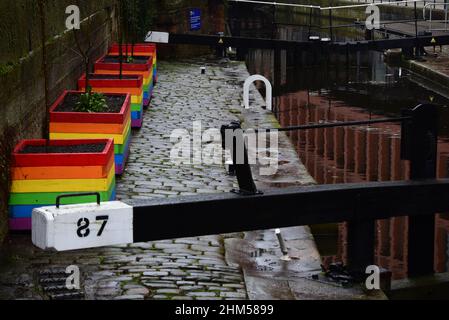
330	24
234	141
361	238
277	68
417	48
220	50
310	23
348	64
273	24
223	130
420	147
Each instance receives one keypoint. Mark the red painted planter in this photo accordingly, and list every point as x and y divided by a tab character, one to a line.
112	82
86	117
59	159
139	48
132	84
115	66
99	125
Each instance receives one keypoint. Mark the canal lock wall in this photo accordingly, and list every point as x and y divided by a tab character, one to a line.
258	253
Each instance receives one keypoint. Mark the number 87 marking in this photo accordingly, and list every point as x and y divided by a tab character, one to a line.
83	230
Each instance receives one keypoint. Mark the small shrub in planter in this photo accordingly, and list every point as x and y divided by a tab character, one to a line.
138	50
142	66
42	170
132	84
114	122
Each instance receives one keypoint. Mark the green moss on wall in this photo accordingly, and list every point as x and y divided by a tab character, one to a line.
6	68
5	151
23	106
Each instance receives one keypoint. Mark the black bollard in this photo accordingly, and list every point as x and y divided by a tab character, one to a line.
233	140
419	145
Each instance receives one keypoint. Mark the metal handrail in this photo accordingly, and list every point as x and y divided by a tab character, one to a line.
309	6
370	3
432	7
283	4
330	9
332	125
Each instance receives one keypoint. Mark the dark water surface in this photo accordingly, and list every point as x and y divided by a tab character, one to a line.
313	88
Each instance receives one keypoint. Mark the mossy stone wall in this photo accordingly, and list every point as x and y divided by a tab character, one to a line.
22	85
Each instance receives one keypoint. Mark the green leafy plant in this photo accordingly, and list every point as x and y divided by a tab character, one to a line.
91	102
6	68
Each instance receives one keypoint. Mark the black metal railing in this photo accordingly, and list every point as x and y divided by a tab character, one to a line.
419	145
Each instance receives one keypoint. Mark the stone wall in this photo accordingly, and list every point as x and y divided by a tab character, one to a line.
22	84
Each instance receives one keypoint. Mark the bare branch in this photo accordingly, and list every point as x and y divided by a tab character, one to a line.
78	44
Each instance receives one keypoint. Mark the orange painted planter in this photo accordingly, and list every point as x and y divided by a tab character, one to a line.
61	172
88	127
39	178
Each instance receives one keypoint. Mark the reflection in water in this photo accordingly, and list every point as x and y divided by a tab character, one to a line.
357	154
321	87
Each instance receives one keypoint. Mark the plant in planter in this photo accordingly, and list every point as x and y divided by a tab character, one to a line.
132	84
92	115
69	120
142	66
91	102
139	50
130	30
42	170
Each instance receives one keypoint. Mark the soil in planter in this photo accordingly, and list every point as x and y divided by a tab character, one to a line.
112	76
80	148
114	103
136	60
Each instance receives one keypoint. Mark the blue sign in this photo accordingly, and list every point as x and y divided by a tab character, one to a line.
195	19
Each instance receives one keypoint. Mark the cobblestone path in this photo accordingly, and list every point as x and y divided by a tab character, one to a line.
182	97
192	268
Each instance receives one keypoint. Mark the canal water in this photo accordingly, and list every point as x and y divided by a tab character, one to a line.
314	88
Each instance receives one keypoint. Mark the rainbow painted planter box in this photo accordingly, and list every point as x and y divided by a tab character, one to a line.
132	84
139	50
99	125
142	65
42	170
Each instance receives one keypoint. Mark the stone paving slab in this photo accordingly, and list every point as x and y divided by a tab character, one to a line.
438	61
431	71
